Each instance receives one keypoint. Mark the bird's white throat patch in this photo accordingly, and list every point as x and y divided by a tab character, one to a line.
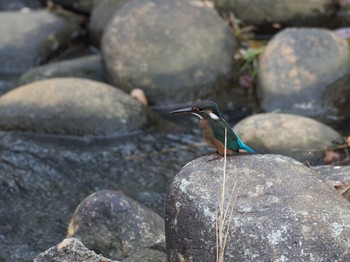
198	115
213	116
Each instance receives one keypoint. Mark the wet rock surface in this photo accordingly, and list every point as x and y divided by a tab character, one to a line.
306	72
188	52
72	106
299	137
114	225
282	211
43	179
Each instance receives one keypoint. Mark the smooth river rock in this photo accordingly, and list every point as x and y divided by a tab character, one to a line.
176	51
72	106
302	138
30	38
306	71
283	212
116	226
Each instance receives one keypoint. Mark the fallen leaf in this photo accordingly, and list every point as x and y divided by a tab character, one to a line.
139	95
348	141
342	188
331	157
246	81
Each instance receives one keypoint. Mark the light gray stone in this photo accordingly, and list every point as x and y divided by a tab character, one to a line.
175	51
283	212
72	250
72	106
302	138
31	38
306	71
116	226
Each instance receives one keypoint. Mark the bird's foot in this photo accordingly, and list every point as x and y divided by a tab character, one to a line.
217	156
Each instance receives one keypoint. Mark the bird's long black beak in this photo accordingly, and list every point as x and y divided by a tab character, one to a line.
183	110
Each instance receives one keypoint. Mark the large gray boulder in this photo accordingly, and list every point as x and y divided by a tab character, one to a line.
306	72
174	50
283	212
299	137
111	223
31	38
72	106
102	12
44	178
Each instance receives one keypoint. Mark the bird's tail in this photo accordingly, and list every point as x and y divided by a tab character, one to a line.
244	146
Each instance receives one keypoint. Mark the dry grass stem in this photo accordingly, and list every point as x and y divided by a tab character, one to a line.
222	225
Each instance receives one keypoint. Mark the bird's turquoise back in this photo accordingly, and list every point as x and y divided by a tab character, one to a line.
233	141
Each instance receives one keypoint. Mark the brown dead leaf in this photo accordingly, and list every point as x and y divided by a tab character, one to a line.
139	95
348	141
342	188
331	157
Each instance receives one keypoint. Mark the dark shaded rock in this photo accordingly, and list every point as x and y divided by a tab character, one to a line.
18	4
89	67
306	72
147	255
336	173
44	178
175	51
102	12
111	223
72	106
82	6
71	250
283	211
31	38
295	136
287	13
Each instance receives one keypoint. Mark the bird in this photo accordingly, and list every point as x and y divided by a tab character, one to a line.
213	126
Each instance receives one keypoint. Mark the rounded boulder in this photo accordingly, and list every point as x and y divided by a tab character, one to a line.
299	137
306	72
116	226
175	51
282	211
71	106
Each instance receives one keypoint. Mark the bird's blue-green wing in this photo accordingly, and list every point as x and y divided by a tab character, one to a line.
218	128
233	141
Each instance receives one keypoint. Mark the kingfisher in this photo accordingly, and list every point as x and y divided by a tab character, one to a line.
213	127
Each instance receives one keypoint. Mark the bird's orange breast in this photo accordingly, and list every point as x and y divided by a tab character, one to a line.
210	138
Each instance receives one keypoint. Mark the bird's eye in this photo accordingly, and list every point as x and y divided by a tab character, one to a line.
196	108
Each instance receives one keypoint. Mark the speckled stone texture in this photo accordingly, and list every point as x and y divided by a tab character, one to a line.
283	212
